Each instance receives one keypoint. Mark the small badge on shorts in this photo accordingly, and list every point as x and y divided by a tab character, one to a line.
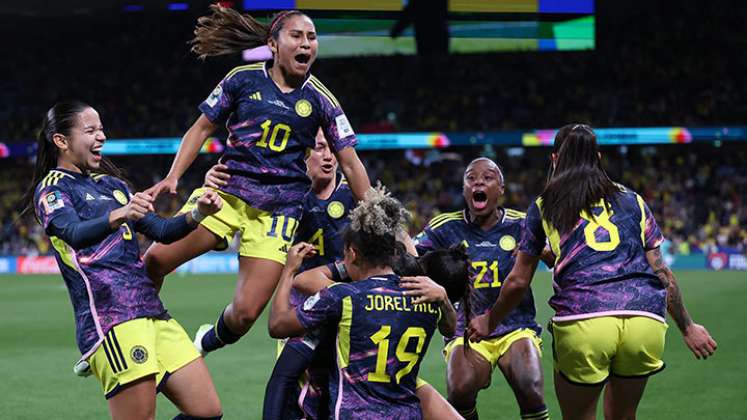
120	197
507	243
335	209
139	355
303	108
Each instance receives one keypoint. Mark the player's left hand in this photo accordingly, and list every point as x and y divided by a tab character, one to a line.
479	328
424	289
296	255
209	203
699	341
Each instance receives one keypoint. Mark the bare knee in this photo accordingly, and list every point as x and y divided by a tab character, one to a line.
207	409
122	410
462	391
243	313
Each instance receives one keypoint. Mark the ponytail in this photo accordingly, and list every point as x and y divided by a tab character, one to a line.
227	31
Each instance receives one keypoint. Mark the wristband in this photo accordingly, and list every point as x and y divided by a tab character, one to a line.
196	215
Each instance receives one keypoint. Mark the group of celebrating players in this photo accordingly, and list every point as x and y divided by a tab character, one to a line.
357	301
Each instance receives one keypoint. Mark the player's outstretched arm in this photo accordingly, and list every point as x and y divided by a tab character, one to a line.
189	148
697	338
354	171
175	228
514	287
283	321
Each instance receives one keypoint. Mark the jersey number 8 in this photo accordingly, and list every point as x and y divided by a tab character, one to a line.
601	221
381	339
274	146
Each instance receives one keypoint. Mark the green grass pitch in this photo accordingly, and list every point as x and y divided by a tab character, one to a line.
37	352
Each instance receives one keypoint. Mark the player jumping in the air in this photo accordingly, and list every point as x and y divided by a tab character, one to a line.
612	288
273	111
490	234
124	333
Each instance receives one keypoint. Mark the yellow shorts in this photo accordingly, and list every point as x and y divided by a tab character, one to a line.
420	382
263	235
493	348
138	348
587	351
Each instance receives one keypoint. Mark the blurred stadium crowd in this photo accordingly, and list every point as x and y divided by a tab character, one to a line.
698	197
145	83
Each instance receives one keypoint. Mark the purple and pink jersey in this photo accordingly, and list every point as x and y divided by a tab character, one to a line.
269	132
101	266
601	267
381	340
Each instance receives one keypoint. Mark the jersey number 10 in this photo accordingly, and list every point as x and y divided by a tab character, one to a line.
381	339
273	136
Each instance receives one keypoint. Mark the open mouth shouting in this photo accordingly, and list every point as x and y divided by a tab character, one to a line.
96	152
302	60
479	199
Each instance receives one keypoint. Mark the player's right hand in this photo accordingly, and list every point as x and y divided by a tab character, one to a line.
166	184
296	255
140	204
699	341
479	328
217	176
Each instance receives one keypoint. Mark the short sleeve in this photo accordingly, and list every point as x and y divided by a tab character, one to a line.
335	125
427	240
52	203
219	105
652	236
322	308
533	235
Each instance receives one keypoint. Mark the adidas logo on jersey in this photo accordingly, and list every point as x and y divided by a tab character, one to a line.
89	197
486	244
256	96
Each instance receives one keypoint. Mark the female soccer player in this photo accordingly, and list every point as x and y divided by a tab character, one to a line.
272	111
490	233
132	344
611	285
381	332
448	267
325	216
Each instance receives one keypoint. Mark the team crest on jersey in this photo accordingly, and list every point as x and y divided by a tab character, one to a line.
335	209
213	98
52	202
507	243
303	108
139	354
120	197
